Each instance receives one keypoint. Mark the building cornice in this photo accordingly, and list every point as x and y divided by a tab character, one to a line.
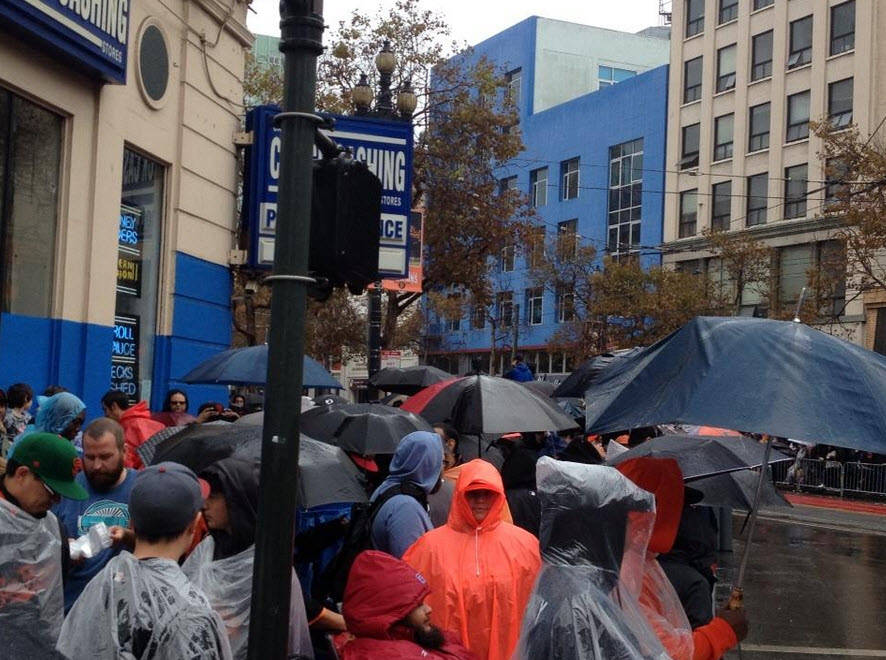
223	13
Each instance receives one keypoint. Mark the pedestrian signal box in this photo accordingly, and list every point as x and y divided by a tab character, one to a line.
345	212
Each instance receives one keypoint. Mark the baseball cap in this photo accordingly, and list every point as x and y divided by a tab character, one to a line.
54	460
165	499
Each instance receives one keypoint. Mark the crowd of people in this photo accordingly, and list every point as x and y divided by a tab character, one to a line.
521	546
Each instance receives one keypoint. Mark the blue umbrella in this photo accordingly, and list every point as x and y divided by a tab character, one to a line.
774	377
249	366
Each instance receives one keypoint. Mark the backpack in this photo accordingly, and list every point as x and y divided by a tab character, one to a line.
357	538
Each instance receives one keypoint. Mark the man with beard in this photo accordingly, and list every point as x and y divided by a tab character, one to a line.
387	617
108	484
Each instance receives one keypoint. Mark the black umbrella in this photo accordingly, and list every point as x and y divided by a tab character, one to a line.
577	383
737	490
408	380
543	387
363	428
330	400
146	449
702	456
485	404
325	473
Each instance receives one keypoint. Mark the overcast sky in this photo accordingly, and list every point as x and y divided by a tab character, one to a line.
474	20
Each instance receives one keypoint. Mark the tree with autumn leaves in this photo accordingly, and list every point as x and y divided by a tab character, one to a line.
465	128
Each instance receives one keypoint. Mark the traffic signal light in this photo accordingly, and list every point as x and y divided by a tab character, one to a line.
345	216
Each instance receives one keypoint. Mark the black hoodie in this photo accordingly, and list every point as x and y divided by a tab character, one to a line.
237	478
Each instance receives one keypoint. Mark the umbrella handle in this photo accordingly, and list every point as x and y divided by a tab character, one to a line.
736	599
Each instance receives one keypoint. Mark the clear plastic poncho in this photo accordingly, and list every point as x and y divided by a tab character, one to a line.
595	526
227	584
31	598
143	610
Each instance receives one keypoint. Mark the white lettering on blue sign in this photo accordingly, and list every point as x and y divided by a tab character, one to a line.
389	166
109	16
274	162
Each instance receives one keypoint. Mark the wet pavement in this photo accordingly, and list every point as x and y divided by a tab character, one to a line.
815	586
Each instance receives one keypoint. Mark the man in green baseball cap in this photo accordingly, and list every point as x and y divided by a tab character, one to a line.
31	602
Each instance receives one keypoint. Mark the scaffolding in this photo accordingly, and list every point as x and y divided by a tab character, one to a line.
664	12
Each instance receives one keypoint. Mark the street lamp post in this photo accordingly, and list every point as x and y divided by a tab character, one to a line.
384	108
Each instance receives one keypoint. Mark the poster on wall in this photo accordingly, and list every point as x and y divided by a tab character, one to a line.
124	355
129	251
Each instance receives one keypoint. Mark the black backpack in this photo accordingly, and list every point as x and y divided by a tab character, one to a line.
358	537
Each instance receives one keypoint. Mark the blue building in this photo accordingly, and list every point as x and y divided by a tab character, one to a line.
593	116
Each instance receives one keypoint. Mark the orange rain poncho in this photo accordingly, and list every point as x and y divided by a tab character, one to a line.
662	477
481	574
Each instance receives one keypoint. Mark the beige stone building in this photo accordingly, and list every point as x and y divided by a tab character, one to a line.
118	190
746	77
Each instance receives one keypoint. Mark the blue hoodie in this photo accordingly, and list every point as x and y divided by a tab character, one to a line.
402	519
521	373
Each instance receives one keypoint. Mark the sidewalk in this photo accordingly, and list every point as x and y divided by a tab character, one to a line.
836	503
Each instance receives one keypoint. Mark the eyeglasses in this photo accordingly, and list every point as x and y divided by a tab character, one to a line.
49	490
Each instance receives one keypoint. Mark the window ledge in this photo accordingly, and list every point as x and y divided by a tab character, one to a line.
694	36
759	151
721	161
686	105
800	141
760	80
762	9
798	68
851	51
731	90
729	22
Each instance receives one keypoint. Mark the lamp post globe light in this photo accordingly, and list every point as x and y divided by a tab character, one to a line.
384	107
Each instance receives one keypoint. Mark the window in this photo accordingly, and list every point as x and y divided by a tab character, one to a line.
728	10
796	181
761	58
452	320
826	261
567	238
694	17
793	264
760	4
564	301
625	195
538	187
689	154
30	163
843	27
726	68
535	306
135	314
721	205
758	191
609	75
688	213
513	81
504	304
840	103
692	80
830	265
758	133
801	43
506	260
478	317
535	247
798	117
569	179
506	184
723	129
835	175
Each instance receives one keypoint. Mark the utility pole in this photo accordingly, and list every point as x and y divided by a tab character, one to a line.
515	328
301	23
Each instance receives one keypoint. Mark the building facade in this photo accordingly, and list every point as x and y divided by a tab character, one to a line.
746	78
118	191
592	102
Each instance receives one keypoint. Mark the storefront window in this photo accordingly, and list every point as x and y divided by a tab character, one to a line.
138	268
30	154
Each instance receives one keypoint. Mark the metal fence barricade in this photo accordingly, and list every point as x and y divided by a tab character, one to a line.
868	478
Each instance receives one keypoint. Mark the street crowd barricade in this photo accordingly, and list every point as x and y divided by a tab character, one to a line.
831	476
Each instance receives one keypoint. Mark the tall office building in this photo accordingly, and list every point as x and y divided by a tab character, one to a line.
746	78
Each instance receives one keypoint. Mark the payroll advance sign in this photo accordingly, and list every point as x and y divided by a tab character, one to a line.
90	33
384	146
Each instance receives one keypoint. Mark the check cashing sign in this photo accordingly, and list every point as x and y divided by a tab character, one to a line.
384	146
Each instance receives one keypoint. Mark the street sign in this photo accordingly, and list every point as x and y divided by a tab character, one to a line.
385	146
390	359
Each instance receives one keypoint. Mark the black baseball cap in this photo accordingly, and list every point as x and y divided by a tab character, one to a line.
165	499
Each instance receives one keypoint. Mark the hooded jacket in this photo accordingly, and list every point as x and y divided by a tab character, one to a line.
520	372
221	566
518	475
403	518
662	477
594	531
381	592
137	427
480	573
